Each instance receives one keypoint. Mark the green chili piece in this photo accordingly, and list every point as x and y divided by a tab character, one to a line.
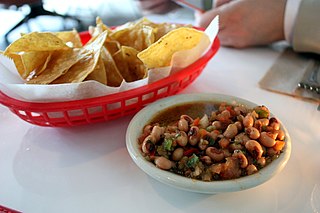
193	160
167	144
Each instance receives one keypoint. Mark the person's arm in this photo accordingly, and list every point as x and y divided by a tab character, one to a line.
306	30
245	23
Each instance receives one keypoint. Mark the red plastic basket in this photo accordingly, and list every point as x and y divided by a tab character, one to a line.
108	107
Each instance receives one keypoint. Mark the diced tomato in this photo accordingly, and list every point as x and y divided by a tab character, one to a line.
196	122
203	132
190	151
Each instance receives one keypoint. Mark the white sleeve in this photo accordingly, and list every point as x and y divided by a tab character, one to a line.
291	12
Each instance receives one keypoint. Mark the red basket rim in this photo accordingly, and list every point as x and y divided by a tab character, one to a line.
45	106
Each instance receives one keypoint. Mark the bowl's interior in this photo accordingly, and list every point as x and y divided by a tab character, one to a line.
145	115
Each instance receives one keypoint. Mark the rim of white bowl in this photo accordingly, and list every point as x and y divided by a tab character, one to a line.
144	116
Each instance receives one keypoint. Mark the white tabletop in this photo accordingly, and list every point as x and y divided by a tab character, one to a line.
88	168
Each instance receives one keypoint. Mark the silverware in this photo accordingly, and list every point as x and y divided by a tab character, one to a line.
309	87
311	80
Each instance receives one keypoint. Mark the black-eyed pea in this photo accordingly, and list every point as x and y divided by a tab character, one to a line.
254	148
231	131
177	154
267	139
148	145
261	161
217	125
239	110
215	154
157	132
203	144
206	159
248	120
280	135
241	157
182	138
274	123
239	125
264	121
163	163
183	125
251	169
253	133
194	135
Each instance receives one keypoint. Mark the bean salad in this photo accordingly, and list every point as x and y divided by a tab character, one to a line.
212	141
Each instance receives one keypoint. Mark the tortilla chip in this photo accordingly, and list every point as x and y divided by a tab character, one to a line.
34	62
99	73
71	38
160	53
130	66
112	46
36	41
60	63
114	78
138	37
86	65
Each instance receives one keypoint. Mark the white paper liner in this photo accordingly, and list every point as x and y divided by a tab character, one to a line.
14	86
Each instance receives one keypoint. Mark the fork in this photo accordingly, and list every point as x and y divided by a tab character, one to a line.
312	84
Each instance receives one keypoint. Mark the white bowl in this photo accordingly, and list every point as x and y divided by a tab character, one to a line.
146	114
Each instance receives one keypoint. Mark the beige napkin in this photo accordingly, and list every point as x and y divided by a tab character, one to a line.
286	73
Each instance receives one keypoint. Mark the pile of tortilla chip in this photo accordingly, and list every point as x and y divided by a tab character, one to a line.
111	56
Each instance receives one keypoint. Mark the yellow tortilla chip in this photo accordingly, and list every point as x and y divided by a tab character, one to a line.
59	64
130	66
99	73
112	46
85	66
34	62
114	78
71	38
138	37
160	53
36	41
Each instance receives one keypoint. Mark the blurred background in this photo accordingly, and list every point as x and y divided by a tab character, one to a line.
22	16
